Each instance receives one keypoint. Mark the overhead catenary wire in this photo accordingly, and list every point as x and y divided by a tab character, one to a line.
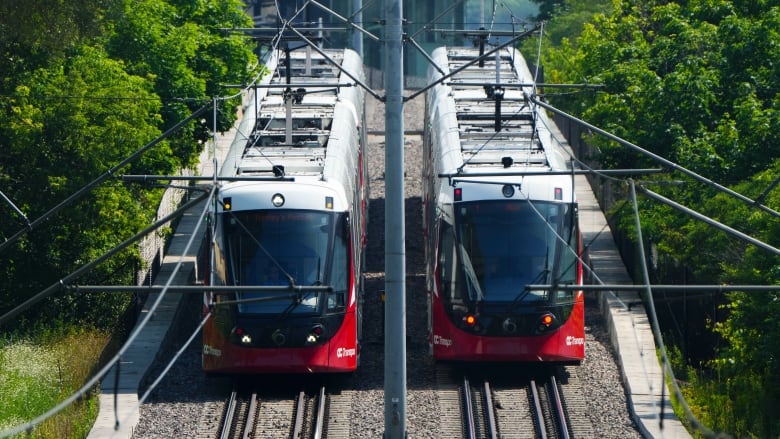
657	158
107	174
63	282
656	328
171	362
666	365
285	24
722	227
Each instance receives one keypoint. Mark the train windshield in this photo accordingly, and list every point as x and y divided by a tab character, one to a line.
283	248
502	246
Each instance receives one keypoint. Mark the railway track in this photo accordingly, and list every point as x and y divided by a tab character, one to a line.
550	417
527	406
305	415
479	417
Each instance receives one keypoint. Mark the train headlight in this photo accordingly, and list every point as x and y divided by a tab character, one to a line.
227	203
546	321
315	333
244	337
277	200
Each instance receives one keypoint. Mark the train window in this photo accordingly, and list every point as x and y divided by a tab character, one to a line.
277	248
447	262
340	271
510	248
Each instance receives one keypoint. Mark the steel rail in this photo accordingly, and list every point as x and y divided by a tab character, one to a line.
557	403
300	412
541	429
228	418
251	417
469	424
319	421
492	426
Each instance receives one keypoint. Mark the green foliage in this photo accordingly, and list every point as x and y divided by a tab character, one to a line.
698	83
695	83
82	118
181	46
741	402
689	82
566	20
33	35
86	84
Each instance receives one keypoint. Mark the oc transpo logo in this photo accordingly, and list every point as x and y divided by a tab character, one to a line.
441	341
345	352
208	350
574	341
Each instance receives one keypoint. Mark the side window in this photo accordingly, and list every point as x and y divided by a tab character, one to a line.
339	278
447	271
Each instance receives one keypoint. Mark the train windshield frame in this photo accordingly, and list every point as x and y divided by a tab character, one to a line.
272	247
498	247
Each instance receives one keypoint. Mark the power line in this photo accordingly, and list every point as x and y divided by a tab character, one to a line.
91	185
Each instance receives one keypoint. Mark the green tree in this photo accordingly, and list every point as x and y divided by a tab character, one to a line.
185	49
37	33
64	128
697	82
86	83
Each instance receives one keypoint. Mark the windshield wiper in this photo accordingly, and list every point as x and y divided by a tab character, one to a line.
520	296
318	280
298	298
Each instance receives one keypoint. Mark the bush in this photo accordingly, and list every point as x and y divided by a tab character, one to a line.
37	374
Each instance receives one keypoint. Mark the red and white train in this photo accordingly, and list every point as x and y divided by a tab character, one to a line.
499	214
288	227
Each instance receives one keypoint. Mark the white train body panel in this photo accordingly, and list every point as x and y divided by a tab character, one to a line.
327	169
476	148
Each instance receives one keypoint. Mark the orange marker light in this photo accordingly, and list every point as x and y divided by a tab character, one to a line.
470	320
547	319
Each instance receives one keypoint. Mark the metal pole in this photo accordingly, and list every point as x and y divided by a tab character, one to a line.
357	36
395	250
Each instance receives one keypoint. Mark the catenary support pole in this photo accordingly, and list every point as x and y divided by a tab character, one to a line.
395	247
357	36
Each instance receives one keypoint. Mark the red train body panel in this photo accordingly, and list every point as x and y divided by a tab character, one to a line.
339	354
565	345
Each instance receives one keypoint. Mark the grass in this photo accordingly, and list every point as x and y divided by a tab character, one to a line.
36	374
